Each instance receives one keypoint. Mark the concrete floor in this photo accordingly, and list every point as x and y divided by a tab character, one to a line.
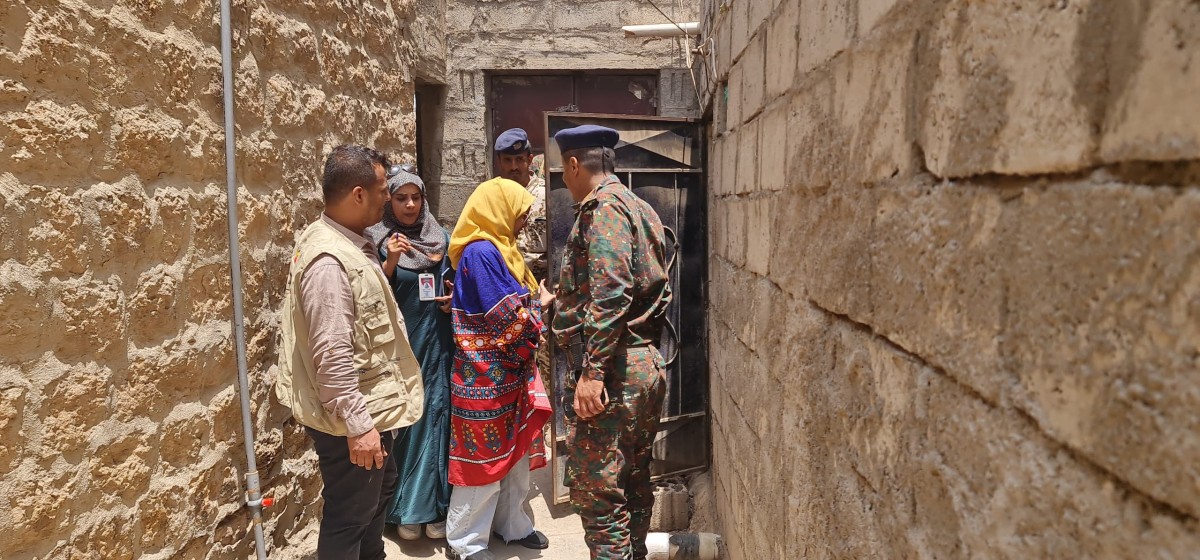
560	525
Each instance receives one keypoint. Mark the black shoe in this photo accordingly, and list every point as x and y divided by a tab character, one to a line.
536	540
484	554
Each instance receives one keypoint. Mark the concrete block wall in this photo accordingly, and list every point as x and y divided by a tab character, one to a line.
542	36
955	278
120	428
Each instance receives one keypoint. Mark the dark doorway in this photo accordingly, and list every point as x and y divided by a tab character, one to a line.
431	116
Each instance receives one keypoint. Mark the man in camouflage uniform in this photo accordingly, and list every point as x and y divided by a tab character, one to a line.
611	302
514	160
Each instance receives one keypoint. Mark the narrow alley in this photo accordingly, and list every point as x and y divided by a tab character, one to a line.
920	278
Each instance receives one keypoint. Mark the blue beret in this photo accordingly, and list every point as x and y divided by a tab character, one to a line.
512	141
586	136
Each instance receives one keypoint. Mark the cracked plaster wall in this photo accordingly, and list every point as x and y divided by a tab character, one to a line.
120	429
955	278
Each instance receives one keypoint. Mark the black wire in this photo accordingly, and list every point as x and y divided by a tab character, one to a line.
664	14
670	327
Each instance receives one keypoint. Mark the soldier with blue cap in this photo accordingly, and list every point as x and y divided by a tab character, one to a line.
610	309
514	155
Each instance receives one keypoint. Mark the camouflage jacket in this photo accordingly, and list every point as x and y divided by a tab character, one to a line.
613	288
532	239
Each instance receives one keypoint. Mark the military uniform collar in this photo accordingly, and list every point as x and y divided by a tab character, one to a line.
611	179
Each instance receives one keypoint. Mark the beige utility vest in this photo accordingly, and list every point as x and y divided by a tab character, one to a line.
389	375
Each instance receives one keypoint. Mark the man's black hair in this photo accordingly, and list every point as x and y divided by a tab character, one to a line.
596	160
348	166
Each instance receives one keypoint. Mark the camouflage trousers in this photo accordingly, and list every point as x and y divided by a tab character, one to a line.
608	457
543	363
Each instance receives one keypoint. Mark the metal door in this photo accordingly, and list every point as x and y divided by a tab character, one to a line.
661	160
521	100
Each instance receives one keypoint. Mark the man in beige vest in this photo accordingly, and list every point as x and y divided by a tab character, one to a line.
346	370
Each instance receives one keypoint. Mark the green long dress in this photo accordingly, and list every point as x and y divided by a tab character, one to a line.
422	450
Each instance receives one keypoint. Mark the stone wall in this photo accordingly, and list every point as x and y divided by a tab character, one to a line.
956	277
428	34
542	35
120	427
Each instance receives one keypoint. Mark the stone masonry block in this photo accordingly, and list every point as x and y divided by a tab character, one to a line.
783	40
946	472
1103	288
1000	472
677	93
26	318
1024	304
728	162
734	102
714	158
735	210
530	18
1004	96
826	29
146	141
937	260
1153	79
717	236
718	101
874	12
459	15
816	145
429	36
600	14
748	158
760	225
723	36
871	101
750	302
740	33
46	131
797	348
753	77
822	247
773	147
759	12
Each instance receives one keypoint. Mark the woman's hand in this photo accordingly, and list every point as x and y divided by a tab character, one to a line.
396	245
444	301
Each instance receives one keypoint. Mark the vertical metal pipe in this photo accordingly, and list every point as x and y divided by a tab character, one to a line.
253	492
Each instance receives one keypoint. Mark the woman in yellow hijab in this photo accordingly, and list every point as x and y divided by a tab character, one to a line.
496	212
498	403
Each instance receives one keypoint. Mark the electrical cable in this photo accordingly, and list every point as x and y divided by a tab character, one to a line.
688	54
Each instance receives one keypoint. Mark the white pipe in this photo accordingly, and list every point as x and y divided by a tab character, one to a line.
683	546
662	29
253	492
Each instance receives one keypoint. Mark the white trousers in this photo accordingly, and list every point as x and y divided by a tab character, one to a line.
475	511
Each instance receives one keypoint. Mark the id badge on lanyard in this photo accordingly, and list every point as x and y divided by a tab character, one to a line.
426	287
